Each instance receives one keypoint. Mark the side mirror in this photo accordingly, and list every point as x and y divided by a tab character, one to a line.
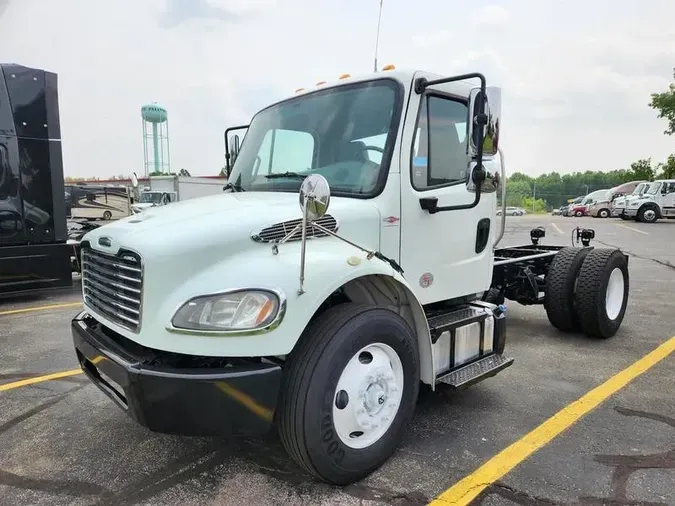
236	144
232	147
486	114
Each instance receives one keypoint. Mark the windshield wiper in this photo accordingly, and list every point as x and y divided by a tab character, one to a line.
290	175
234	187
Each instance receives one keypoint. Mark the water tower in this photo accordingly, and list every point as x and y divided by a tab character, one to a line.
156	132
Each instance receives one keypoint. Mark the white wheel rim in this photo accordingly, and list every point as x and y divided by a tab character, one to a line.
373	383
614	296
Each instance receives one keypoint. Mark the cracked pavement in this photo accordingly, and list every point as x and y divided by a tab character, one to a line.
64	443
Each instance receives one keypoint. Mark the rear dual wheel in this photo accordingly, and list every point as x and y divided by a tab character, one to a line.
587	290
349	389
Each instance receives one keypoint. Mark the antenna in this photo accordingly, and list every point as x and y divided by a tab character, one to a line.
377	37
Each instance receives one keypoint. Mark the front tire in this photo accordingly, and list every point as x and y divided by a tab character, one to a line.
603	213
647	214
107	215
602	292
349	389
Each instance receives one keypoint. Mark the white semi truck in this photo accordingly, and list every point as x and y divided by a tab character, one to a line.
657	202
242	312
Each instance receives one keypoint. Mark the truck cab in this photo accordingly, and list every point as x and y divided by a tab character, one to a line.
351	259
153	198
657	202
619	204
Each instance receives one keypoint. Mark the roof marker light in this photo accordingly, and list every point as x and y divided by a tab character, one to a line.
344	76
389	67
320	83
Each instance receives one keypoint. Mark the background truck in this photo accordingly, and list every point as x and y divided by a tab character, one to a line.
174	188
619	204
33	250
324	321
657	202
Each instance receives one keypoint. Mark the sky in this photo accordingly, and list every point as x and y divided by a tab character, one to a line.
576	75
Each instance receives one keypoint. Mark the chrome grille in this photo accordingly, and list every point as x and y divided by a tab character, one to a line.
278	231
112	285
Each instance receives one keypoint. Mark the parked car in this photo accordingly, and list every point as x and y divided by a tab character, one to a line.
512	211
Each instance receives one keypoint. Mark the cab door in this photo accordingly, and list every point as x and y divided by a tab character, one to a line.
446	254
668	199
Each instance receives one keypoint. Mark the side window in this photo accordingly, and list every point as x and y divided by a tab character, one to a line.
285	150
440	145
669	188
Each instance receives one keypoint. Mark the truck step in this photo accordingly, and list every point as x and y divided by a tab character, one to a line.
455	319
476	371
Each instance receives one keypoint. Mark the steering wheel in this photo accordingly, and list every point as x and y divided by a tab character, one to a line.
373	148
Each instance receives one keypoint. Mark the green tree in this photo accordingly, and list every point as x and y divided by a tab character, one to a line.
665	104
667	169
642	169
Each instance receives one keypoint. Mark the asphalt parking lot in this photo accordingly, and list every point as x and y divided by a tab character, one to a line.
63	442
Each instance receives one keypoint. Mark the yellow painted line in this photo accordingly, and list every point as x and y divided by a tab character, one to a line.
631	228
466	490
39	379
557	228
40	308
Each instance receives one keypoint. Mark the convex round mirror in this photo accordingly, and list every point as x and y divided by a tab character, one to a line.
316	192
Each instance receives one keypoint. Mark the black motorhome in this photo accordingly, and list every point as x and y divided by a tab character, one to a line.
34	254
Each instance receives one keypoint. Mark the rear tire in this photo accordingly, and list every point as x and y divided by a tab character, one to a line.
107	215
561	281
342	435
602	292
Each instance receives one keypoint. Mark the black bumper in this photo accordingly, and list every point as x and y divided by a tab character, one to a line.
235	400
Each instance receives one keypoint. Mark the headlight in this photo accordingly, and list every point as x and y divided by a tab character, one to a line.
234	311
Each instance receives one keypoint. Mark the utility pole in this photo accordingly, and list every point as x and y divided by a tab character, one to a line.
534	194
377	36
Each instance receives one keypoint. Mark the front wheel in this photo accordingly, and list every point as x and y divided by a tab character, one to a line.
107	215
603	213
578	214
350	387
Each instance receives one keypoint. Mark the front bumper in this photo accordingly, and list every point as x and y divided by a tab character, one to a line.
167	393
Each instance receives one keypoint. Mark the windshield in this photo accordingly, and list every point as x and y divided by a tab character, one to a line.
147	198
345	134
654	189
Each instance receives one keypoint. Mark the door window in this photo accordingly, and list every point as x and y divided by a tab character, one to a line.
440	146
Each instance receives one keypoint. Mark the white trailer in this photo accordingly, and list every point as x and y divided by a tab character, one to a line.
242	312
168	189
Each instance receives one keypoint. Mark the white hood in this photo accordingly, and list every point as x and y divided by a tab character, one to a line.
222	224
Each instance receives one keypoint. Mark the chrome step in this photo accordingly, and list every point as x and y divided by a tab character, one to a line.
475	371
455	319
